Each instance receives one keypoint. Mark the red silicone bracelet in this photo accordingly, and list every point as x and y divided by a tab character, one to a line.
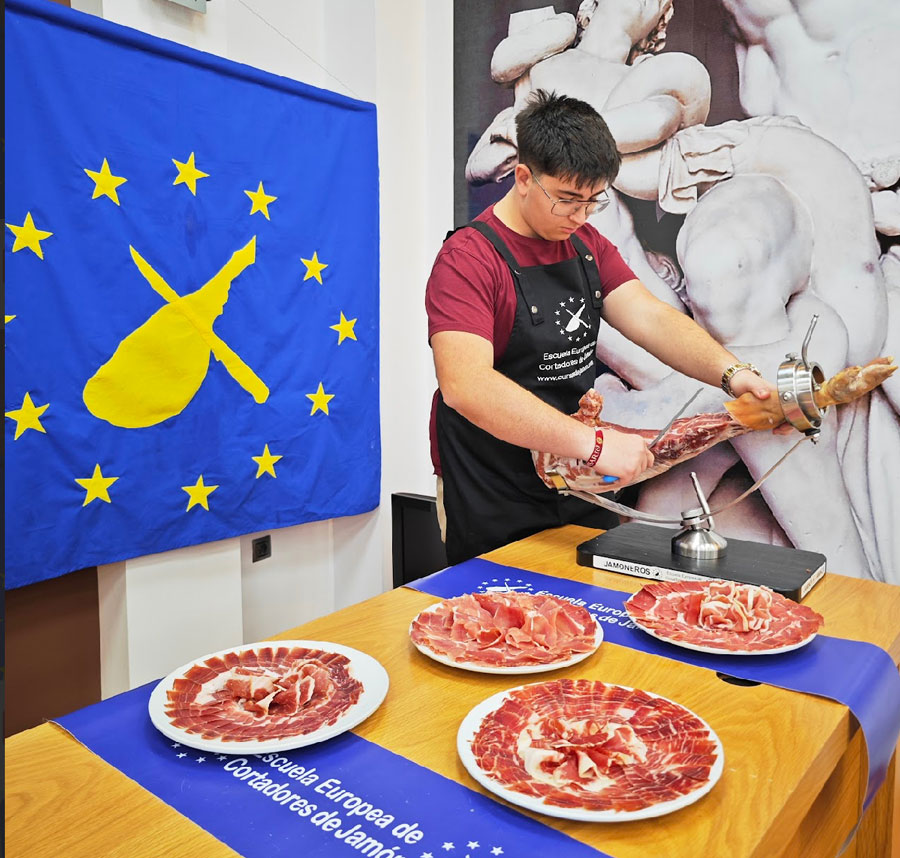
598	448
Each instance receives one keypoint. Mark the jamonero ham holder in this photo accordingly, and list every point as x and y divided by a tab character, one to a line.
696	551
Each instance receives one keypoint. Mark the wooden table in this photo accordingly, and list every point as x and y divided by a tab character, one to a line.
792	781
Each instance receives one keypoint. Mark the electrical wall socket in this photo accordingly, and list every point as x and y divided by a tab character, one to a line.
262	547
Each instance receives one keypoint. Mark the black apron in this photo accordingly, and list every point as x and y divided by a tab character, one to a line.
492	493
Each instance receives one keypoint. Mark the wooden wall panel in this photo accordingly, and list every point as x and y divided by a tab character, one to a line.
52	653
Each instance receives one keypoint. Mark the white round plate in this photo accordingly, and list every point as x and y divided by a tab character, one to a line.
472	722
718	650
362	668
522	668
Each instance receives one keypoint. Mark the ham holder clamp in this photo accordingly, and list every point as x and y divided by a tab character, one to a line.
696	551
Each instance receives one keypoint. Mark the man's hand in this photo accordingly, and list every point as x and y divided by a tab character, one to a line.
746	381
749	382
624	455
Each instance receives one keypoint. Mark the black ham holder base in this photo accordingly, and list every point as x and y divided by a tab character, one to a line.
645	551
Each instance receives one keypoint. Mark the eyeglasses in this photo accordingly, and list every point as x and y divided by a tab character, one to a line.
568	208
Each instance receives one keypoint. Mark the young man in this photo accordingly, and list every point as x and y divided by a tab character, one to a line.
514	304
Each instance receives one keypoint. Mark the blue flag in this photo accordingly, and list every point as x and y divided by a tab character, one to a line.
191	297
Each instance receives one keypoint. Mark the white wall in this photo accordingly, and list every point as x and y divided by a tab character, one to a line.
397	54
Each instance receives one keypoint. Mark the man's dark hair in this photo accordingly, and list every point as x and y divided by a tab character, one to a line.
566	138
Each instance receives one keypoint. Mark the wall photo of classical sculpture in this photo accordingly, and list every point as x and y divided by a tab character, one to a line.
760	185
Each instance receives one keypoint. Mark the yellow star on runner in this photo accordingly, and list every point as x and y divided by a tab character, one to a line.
8	319
188	174
260	201
344	329
266	463
105	183
314	268
28	235
320	400
97	486
27	417
199	493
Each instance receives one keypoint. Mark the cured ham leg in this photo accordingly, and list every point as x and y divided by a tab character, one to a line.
686	438
690	436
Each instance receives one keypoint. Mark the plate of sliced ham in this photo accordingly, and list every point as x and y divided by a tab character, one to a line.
586	750
506	632
268	696
723	617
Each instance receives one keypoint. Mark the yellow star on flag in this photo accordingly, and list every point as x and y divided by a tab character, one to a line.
27	417
199	493
188	174
266	463
320	400
260	200
105	183
97	486
28	235
8	319
314	268
344	329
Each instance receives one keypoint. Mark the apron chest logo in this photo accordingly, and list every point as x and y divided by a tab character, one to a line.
570	320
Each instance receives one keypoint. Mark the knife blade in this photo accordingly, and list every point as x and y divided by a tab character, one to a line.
678	414
611	479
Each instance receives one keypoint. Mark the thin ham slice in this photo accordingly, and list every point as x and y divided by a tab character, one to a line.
250	685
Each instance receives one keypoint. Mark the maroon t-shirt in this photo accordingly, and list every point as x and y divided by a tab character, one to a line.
471	288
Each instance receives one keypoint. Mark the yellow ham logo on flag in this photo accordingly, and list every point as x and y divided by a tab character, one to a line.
159	367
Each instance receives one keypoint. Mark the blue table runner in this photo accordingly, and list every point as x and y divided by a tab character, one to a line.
344	797
860	675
